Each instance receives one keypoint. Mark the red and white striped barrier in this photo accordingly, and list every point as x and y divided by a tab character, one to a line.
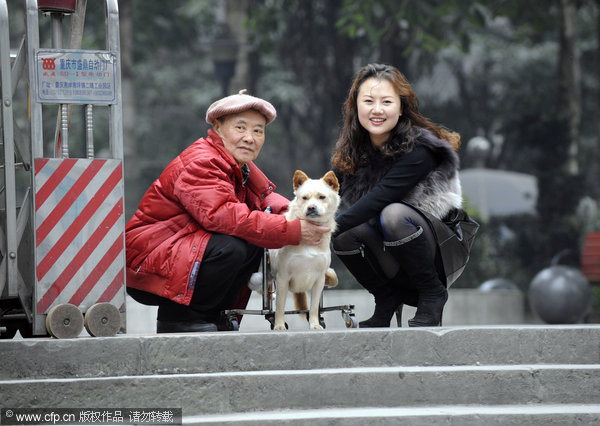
80	246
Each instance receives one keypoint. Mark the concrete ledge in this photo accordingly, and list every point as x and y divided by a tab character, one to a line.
464	415
434	376
311	389
297	350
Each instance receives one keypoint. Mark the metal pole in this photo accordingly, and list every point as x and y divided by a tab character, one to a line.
266	296
35	108
75	39
56	20
18	65
89	131
36	139
61	137
9	260
113	45
64	130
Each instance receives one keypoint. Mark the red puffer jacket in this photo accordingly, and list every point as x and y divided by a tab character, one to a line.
199	193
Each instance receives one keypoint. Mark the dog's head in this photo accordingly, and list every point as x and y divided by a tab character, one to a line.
316	199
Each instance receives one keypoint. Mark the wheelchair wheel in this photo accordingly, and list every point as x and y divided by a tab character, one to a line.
234	325
351	322
322	322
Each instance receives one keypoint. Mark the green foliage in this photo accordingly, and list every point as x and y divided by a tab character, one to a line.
423	27
595	308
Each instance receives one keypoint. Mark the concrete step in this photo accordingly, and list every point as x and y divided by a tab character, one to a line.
450	375
125	355
464	415
347	388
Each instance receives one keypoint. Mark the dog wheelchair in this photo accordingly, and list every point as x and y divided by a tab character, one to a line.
268	295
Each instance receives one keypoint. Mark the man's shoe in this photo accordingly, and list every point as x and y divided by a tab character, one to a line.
185	326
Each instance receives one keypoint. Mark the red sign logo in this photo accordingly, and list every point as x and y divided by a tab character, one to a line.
48	63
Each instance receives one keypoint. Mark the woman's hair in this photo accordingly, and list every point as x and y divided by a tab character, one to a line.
354	143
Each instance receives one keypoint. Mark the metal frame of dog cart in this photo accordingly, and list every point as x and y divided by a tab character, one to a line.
268	289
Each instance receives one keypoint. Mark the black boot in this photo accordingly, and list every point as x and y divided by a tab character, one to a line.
385	307
412	254
367	272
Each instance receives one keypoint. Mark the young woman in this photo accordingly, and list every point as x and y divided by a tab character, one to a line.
398	173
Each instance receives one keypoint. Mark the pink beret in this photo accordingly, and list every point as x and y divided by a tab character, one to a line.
239	103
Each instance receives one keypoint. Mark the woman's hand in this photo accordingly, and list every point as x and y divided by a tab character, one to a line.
312	234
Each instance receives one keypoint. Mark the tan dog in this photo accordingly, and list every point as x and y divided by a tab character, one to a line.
304	268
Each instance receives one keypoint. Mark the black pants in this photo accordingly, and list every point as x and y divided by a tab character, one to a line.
365	243
226	267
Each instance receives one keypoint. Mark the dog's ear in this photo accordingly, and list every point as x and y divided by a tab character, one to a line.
299	178
331	179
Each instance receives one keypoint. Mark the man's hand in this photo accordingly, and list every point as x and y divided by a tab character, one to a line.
312	234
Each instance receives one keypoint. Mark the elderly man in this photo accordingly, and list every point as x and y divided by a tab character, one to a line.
199	230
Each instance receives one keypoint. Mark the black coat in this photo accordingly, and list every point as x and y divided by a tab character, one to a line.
425	178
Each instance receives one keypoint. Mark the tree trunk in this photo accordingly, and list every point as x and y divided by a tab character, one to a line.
597	171
570	81
130	147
